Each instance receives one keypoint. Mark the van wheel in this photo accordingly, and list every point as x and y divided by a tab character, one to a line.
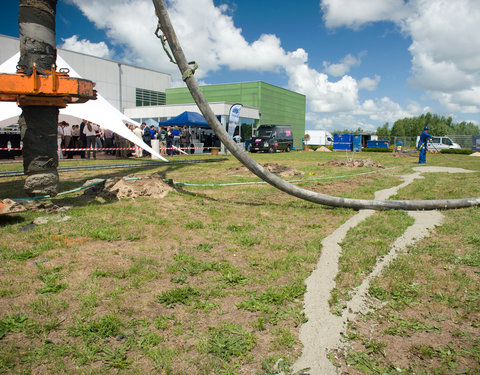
253	151
288	149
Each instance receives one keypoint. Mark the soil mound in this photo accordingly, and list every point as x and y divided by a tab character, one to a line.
280	170
359	163
117	188
323	149
475	154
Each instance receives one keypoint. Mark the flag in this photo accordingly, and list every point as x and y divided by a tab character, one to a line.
234	118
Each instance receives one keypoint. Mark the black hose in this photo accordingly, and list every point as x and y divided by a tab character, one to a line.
166	27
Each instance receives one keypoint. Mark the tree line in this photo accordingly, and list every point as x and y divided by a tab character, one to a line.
440	126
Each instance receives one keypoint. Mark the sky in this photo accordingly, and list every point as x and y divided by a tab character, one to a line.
359	63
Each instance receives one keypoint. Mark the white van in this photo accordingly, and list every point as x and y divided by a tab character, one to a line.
440	143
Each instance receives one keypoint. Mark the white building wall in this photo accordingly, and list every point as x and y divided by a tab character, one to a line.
169	111
109	76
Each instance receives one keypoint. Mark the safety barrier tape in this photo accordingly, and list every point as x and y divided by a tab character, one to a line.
109	149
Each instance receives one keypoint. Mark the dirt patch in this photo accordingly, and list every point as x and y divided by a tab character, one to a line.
128	187
359	163
475	154
323	149
280	170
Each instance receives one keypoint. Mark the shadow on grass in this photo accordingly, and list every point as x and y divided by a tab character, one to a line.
13	188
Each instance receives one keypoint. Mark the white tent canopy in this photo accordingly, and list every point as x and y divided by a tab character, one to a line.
98	111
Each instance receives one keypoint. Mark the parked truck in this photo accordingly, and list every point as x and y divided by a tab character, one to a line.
318	138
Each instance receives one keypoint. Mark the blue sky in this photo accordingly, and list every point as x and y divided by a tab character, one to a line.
359	63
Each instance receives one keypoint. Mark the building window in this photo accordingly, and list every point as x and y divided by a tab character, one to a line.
148	97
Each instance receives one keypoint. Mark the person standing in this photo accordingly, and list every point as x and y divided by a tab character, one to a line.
169	140
108	134
60	139
75	142
185	139
67	138
83	137
138	150
422	145
162	137
176	139
90	132
147	137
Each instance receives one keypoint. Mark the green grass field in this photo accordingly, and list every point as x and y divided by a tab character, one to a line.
210	280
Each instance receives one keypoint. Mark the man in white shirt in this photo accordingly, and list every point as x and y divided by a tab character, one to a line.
59	140
90	131
139	133
67	138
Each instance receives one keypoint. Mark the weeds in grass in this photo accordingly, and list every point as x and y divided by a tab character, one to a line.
176	296
13	323
116	357
246	244
108	325
51	279
230	340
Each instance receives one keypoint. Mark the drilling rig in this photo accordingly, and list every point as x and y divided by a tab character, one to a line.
40	91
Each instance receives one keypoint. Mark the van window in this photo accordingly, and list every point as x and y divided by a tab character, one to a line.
447	141
435	140
264	132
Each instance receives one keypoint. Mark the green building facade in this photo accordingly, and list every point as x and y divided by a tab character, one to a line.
277	106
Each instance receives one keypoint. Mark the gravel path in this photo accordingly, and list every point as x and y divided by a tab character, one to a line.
322	332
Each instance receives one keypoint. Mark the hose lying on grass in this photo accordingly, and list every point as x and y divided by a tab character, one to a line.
188	76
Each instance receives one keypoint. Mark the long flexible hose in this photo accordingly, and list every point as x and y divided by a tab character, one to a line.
187	74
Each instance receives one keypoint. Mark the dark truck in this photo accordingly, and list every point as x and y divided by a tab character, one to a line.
271	138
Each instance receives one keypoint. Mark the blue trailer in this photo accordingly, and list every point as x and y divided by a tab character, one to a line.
377	144
342	142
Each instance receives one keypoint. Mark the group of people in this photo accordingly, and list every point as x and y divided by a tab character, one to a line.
87	135
173	140
84	135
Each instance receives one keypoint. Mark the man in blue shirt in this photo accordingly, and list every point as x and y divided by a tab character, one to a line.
422	145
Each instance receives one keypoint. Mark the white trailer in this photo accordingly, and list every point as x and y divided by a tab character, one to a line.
319	138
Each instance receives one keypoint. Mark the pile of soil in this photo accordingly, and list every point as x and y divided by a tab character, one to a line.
117	188
359	163
475	154
323	149
279	170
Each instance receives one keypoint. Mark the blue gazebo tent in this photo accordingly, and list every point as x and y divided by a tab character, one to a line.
192	119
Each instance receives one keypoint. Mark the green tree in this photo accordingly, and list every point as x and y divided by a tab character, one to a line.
413	126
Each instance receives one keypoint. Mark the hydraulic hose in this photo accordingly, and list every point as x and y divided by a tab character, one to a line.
187	74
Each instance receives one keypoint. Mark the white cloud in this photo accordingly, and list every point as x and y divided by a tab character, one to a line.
369	84
323	95
85	46
343	67
445	46
209	35
355	13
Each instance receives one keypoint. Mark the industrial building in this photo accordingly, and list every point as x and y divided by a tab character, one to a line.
146	95
276	105
123	85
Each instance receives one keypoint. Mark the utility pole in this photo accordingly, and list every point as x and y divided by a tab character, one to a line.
38	124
